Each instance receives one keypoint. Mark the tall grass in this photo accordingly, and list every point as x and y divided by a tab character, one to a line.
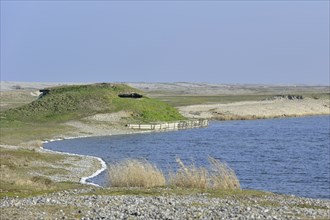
141	173
189	176
220	176
135	173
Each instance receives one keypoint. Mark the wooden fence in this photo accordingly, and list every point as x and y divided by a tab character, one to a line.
171	125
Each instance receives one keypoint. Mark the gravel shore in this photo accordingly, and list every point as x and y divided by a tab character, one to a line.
87	204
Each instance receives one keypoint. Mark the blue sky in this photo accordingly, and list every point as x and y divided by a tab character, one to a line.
273	42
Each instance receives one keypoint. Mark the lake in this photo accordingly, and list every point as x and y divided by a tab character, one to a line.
288	155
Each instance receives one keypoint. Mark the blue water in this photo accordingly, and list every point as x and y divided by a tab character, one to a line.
289	156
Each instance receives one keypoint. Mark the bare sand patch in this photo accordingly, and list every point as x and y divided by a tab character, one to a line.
258	109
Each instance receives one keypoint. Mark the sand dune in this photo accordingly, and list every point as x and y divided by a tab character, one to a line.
258	109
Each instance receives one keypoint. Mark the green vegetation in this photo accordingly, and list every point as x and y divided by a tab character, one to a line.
20	133
24	172
185	100
178	191
44	117
75	102
25	119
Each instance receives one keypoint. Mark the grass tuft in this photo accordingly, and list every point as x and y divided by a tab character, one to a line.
135	173
42	180
221	176
25	172
141	173
189	176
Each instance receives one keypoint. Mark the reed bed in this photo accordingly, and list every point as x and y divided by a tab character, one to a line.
141	173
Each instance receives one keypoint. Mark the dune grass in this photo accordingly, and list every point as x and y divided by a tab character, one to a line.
189	176
177	100
185	100
26	172
15	98
141	173
44	118
222	176
219	176
135	173
29	133
66	103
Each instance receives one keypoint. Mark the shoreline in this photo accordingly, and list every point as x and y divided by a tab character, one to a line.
71	178
83	179
114	203
162	203
95	202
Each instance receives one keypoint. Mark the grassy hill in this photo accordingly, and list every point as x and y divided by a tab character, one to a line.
75	102
65	103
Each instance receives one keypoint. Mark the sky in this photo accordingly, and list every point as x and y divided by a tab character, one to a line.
268	42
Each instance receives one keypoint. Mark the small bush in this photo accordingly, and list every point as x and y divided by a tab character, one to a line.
135	173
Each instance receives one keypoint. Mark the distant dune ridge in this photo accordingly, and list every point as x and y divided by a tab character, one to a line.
313	99
258	109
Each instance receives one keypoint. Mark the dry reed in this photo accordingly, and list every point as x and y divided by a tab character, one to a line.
222	176
219	177
189	176
135	173
141	173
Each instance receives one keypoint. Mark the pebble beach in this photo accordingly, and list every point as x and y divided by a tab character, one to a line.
86	204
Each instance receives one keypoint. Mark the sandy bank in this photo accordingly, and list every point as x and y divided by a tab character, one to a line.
78	168
258	109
